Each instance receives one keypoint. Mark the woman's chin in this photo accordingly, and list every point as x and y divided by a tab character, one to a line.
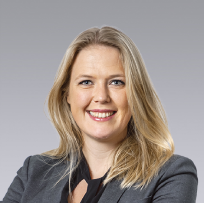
108	137
101	137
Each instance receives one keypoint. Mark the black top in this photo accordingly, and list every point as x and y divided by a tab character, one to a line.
94	189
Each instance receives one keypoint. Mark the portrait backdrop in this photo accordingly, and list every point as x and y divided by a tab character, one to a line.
34	36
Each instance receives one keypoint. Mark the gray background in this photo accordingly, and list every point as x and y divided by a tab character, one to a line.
34	36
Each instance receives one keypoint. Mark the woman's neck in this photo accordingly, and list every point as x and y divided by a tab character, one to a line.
99	156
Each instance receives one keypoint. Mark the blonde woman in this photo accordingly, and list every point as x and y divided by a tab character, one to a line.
115	146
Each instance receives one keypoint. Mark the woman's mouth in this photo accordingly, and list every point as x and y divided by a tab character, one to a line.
101	116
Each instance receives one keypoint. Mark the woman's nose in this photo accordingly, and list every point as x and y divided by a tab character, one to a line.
101	94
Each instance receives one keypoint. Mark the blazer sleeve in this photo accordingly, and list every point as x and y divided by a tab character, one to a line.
16	189
178	184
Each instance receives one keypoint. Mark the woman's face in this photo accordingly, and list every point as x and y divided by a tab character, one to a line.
97	94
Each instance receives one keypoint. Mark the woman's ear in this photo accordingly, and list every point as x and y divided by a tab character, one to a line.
68	98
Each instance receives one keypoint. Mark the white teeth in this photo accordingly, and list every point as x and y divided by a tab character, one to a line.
101	115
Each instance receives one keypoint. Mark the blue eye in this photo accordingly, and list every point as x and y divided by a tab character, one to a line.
118	82
85	82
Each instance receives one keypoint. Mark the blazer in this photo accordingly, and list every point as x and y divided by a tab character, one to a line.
176	183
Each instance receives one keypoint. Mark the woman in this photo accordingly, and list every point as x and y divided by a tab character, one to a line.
115	144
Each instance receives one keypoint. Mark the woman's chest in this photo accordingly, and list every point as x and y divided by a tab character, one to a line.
78	193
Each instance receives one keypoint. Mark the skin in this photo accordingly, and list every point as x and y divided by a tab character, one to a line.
98	91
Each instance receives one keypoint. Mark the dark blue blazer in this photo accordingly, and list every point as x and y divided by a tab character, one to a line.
176	183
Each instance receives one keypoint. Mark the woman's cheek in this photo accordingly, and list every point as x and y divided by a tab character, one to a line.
83	99
121	99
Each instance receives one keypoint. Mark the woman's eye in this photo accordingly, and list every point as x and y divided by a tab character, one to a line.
114	82
117	82
85	82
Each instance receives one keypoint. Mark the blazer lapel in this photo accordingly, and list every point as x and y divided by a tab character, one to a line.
112	193
53	194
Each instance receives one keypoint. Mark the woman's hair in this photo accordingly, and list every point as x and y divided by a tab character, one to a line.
148	144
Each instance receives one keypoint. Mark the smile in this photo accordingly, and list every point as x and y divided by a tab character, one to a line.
101	116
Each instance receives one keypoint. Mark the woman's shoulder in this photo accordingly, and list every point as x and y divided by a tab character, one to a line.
37	173
177	164
40	164
40	159
176	181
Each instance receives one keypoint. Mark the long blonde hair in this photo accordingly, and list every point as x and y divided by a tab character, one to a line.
148	144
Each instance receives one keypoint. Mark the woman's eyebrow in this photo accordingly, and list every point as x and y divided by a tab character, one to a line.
110	76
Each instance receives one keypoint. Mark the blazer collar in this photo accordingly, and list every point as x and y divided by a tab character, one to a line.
112	192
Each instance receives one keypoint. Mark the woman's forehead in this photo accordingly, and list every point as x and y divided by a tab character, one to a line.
98	58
